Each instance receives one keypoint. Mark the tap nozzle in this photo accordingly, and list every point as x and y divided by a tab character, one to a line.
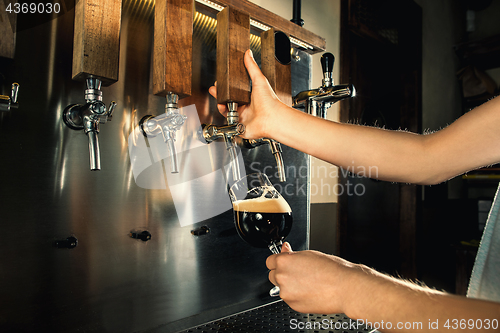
8	103
275	148
92	131
88	116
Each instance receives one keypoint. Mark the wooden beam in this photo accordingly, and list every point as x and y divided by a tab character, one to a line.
277	72
277	22
96	46
173	47
8	32
233	39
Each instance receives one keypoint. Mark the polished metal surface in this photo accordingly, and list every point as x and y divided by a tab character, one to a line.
112	279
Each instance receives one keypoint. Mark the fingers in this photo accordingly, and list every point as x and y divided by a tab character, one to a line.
271	262
221	107
271	277
286	247
251	66
213	90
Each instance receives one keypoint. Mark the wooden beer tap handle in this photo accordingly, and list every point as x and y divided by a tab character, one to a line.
173	47
276	63
96	47
233	39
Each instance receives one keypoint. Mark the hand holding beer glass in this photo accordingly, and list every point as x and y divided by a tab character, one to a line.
262	216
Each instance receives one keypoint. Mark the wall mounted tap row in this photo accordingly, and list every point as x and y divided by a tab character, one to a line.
175	42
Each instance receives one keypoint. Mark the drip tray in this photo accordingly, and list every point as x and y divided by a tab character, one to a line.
278	317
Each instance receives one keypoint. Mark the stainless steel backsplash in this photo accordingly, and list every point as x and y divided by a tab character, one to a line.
111	282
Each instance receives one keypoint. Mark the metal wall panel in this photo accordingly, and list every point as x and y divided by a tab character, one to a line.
111	282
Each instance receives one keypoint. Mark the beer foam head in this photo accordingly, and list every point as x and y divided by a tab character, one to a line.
263	205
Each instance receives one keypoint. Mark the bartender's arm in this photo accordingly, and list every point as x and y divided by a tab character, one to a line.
313	282
469	143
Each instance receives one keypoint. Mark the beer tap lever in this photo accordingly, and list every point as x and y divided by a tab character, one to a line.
327	61
89	116
10	102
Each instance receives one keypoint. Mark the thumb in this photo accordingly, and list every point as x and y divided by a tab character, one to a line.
251	66
286	247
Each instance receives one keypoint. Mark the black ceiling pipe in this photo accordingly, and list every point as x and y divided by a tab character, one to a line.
296	13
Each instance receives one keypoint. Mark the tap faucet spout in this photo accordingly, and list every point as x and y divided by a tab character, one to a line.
169	138
276	151
95	155
231	148
275	148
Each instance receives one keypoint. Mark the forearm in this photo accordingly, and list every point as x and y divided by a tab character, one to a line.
401	306
394	155
469	143
368	151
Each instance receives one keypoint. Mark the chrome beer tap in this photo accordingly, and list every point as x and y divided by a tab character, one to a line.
167	125
228	133
10	102
317	101
89	116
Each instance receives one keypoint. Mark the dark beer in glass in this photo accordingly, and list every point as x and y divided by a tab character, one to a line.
262	216
263	221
